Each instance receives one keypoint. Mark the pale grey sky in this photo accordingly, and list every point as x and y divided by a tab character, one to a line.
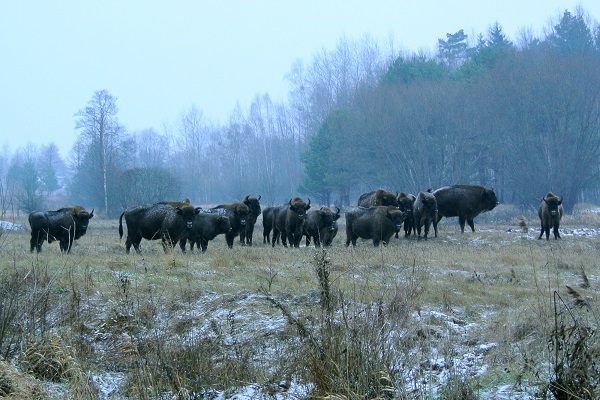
159	58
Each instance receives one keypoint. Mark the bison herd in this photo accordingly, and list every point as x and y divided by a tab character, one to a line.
378	216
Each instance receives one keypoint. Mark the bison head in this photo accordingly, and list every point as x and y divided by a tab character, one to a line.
188	213
397	217
242	211
490	201
298	206
253	204
82	220
383	198
553	203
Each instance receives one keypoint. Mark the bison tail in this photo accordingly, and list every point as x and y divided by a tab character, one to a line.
121	225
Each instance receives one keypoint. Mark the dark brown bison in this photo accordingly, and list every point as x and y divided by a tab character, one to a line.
289	222
378	223
206	227
405	203
550	213
425	211
254	205
465	202
64	225
238	216
268	222
321	226
168	221
377	198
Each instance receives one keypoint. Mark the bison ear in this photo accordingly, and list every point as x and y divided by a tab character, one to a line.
179	210
197	210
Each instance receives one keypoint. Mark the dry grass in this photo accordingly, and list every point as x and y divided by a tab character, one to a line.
159	319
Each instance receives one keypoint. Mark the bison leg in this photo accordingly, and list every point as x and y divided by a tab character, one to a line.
203	244
36	241
229	238
461	221
555	231
471	224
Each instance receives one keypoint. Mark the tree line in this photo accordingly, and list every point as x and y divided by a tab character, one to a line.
522	118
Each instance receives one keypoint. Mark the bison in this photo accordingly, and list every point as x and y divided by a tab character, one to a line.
168	221
321	226
268	222
289	222
206	227
254	205
64	225
465	202
377	198
405	203
550	213
425	211
378	223
238	214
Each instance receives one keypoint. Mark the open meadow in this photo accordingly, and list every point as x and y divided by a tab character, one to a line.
490	314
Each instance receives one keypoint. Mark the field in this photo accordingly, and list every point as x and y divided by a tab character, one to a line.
490	314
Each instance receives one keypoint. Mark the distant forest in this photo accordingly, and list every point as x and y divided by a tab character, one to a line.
520	117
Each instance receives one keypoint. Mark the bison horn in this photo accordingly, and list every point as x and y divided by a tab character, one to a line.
258	198
560	200
290	202
246	198
308	202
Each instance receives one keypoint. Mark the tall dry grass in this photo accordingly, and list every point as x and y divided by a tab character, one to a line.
391	322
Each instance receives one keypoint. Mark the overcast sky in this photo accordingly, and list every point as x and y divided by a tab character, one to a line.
158	58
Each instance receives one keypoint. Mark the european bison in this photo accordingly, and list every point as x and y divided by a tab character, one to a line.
254	205
268	222
168	221
465	202
238	216
64	225
405	203
377	198
206	227
550	213
321	226
425	211
289	222
378	223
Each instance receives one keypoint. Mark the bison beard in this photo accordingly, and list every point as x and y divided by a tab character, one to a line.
550	213
168	221
64	225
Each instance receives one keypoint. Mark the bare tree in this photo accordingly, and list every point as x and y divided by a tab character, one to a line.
100	133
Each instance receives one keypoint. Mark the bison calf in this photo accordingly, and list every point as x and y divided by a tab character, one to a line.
405	202
206	227
64	225
425	211
550	213
321	226
378	223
